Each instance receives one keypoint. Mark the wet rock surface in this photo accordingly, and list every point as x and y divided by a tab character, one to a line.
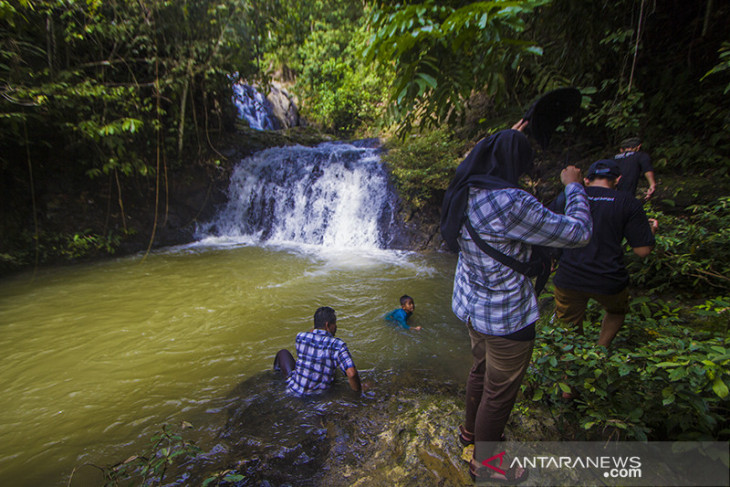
400	432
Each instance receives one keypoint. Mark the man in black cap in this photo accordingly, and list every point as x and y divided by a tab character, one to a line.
633	162
597	271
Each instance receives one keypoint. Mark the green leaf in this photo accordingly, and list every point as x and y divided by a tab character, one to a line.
429	79
234	478
720	388
677	374
668	364
564	387
624	370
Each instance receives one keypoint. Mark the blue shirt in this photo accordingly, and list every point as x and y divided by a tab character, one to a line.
319	354
497	299
400	317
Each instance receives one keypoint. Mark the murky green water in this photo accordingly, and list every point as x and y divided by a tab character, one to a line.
95	358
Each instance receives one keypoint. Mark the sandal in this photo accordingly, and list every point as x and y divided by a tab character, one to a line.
467	438
481	473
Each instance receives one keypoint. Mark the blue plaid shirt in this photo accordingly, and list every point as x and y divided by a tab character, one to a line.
318	356
497	299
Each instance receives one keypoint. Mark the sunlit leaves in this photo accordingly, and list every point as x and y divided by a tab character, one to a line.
692	250
422	165
441	54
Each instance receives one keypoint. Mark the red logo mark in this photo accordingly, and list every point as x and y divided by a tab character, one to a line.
501	459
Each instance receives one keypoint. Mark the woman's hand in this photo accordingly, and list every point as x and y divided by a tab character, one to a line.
520	126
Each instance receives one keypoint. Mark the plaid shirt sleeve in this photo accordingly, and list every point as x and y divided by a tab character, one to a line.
344	359
497	299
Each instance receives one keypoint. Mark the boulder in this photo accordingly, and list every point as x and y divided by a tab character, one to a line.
283	106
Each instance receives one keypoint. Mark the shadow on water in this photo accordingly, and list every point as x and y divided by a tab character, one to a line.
340	437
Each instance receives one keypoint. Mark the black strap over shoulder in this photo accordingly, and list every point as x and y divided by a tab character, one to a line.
538	266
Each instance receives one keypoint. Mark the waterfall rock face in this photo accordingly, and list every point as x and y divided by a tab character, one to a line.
283	106
255	108
275	111
334	195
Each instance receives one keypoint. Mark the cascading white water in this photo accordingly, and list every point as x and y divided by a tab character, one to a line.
254	108
335	195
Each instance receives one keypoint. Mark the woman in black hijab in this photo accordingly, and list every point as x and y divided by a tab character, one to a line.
496	162
495	299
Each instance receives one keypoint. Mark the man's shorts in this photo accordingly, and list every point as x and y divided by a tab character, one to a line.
570	305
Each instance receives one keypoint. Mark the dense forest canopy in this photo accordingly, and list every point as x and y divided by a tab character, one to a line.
115	94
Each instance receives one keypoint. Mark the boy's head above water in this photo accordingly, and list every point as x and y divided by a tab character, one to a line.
406	302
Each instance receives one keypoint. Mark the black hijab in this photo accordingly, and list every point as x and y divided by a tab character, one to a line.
496	162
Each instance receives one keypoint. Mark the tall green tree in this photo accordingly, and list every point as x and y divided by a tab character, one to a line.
444	51
316	46
119	88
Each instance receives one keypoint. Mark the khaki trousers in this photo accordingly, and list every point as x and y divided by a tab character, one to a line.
494	381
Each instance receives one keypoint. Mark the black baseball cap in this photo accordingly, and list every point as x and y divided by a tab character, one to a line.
606	168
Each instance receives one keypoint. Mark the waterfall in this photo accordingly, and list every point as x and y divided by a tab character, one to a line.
335	195
254	108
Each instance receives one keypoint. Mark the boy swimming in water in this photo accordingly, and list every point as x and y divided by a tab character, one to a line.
400	315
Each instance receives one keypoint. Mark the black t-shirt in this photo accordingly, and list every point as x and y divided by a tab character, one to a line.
599	267
633	165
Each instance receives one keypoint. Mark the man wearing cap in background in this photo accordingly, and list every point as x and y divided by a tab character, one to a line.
633	163
597	271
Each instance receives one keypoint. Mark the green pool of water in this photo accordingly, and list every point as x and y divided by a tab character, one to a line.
95	358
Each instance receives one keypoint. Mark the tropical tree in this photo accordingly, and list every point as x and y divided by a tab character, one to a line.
117	88
444	51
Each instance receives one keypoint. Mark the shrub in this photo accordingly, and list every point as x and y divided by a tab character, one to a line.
692	251
664	379
422	165
149	468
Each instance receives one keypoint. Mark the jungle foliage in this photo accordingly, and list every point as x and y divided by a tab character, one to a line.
692	252
115	83
442	52
316	46
124	91
666	377
642	66
423	164
116	91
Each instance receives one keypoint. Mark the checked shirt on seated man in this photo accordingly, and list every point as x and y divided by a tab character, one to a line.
319	355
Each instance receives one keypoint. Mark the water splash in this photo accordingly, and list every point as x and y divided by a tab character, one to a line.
335	195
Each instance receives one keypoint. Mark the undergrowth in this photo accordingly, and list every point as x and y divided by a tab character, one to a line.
665	378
